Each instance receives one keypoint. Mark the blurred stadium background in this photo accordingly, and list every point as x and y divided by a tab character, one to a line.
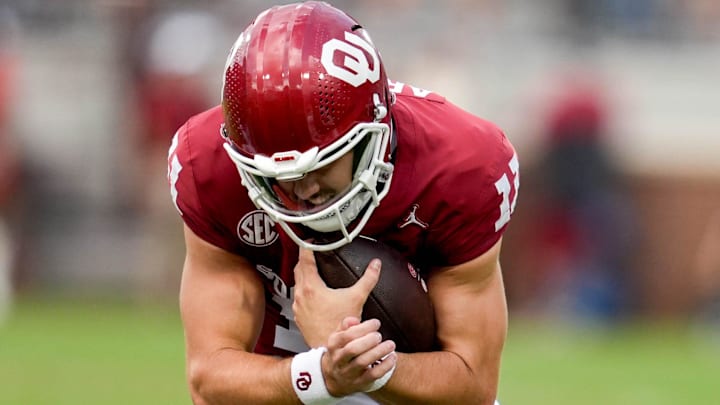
612	261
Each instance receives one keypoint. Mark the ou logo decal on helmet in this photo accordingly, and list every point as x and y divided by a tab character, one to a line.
356	66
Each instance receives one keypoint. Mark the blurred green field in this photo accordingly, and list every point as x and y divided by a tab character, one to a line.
63	352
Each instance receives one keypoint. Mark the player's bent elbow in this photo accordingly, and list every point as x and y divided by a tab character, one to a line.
488	401
476	397
197	377
478	391
486	395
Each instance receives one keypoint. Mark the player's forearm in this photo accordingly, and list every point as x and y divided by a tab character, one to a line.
232	376
439	378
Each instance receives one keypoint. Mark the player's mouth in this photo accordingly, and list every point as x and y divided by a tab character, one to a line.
319	199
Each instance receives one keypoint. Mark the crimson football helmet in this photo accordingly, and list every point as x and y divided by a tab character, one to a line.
303	86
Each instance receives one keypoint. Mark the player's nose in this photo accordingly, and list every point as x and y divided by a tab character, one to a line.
306	187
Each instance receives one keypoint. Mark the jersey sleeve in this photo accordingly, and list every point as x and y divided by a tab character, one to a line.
480	199
185	193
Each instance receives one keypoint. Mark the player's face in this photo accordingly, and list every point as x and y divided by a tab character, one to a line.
321	186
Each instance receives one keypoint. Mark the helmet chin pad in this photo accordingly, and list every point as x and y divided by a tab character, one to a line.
348	212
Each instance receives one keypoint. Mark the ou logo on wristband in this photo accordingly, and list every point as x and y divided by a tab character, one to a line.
356	68
304	381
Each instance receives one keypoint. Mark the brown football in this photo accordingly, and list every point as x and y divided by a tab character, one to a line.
399	300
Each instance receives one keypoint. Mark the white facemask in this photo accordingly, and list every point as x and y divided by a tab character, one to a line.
370	184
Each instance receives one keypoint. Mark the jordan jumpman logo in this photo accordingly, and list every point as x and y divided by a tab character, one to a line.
412	219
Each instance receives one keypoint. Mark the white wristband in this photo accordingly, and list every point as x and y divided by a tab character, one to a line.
307	378
380	382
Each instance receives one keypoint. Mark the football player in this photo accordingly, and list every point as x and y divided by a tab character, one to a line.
311	147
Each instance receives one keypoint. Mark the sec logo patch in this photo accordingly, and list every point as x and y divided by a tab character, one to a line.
256	228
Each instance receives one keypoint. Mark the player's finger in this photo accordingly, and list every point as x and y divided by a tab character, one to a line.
381	368
359	346
348	322
369	278
375	355
306	268
353	332
371	365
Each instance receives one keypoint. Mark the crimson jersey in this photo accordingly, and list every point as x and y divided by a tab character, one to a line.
454	187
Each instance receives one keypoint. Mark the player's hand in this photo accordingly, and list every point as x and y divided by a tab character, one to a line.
356	357
319	309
